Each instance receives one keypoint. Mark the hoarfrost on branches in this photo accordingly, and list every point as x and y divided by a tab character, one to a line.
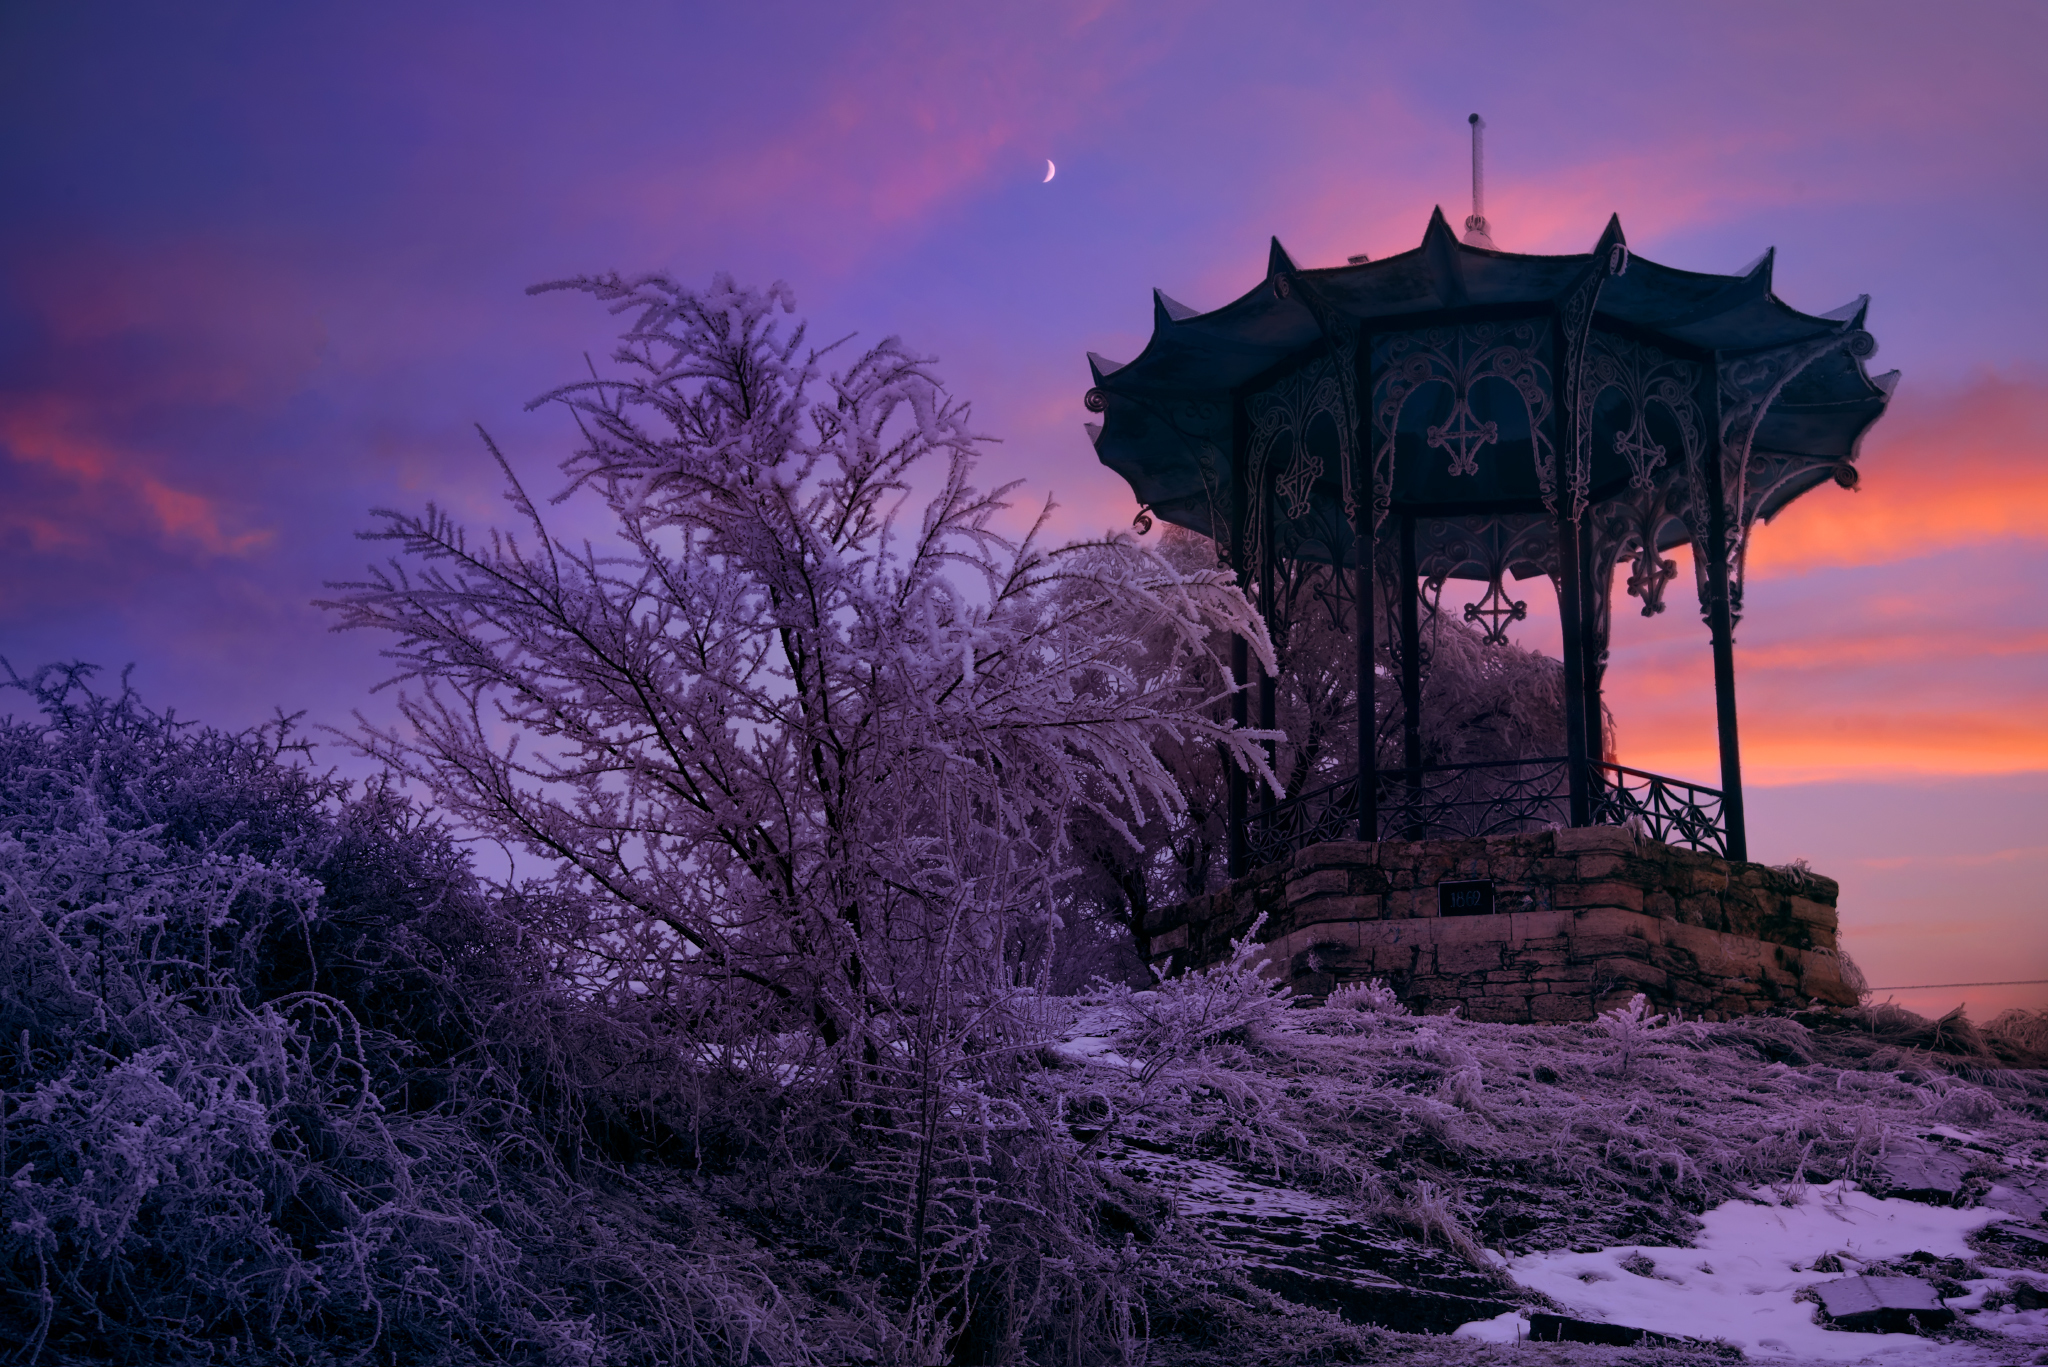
800	726
814	748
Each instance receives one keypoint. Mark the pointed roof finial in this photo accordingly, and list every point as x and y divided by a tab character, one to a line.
1475	226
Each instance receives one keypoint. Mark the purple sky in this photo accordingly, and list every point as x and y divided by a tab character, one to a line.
262	268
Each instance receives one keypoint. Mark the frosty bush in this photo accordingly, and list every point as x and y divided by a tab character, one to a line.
280	1083
1374	997
1187	1012
1628	1026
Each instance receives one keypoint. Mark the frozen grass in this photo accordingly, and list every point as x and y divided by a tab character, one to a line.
1601	1143
1625	1130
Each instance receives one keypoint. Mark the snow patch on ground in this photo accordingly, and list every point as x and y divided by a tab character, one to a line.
1737	1281
1512	1327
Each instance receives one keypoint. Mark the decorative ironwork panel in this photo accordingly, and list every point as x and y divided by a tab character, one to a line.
1486	548
1749	385
1644	376
1499	797
1340	336
1666	809
1280	418
1460	357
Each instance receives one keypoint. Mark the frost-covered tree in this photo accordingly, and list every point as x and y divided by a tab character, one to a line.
810	729
800	729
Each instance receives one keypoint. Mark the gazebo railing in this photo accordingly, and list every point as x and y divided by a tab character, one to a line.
1670	809
1495	797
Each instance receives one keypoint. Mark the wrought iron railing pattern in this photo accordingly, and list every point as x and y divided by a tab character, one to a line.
1496	797
1669	809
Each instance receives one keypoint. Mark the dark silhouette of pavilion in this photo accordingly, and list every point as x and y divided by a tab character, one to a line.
1472	414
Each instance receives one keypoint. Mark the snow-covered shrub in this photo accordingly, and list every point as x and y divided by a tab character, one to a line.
1187	1012
1629	1027
1373	997
2021	1035
280	1082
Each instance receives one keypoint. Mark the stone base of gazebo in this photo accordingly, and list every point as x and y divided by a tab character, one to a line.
1552	926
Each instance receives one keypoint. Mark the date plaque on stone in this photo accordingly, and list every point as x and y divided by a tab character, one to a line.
1470	897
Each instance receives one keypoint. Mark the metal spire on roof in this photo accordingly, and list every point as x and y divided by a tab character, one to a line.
1475	226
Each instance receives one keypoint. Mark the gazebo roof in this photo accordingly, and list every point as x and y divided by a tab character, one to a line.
1168	414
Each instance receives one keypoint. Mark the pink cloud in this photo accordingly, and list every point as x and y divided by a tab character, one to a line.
1960	468
104	487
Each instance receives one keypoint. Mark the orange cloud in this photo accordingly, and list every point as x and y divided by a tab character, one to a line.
1871	669
1939	471
1958	697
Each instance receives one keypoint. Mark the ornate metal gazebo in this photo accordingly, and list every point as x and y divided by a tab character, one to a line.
1474	414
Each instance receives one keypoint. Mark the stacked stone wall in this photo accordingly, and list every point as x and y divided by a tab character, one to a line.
1583	920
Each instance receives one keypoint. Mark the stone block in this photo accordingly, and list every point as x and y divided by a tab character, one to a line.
1386	959
1341	852
1660	904
1468	957
1589	839
1468	930
1883	1305
1324	910
1321	882
1369	881
1406	904
1612	893
1701	909
1594	867
1609	921
1175	939
1556	1008
1711	877
1813	913
1631	971
1500	1010
1587	948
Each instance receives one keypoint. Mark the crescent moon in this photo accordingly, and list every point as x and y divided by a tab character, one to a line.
1050	170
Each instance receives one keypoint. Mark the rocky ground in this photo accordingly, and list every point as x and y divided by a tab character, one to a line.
1425	1189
